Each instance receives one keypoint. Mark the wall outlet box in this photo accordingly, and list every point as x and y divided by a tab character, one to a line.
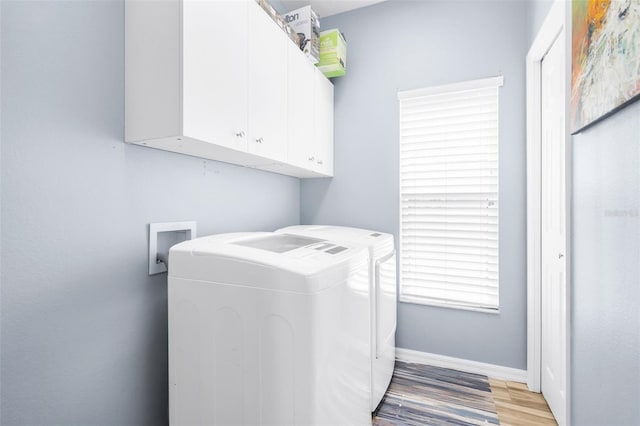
333	53
161	237
306	23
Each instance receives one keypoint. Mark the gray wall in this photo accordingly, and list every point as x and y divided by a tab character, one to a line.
606	272
605	320
84	338
538	10
400	45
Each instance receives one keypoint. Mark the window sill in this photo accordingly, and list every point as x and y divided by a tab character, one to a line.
420	301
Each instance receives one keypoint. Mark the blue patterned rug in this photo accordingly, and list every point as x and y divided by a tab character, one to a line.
424	395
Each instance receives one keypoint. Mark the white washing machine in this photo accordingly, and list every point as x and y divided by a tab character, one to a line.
268	329
383	295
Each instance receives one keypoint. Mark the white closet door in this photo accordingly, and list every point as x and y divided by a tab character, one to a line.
554	262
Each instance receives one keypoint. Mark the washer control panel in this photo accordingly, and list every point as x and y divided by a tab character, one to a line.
335	250
329	248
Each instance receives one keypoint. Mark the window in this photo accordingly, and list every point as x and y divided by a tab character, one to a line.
449	195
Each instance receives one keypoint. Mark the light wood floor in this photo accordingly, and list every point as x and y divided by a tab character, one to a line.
516	406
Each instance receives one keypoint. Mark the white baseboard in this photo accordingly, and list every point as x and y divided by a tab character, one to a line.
489	370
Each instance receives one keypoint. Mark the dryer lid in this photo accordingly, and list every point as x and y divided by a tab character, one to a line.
378	243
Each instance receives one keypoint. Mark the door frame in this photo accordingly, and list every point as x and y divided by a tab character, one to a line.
557	25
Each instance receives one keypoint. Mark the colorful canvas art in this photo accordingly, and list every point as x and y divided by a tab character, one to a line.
606	58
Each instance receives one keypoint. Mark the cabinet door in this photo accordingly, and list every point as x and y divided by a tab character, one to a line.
214	74
300	110
267	86
323	140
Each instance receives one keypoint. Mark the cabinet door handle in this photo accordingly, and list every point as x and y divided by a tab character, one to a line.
312	158
260	140
320	162
240	134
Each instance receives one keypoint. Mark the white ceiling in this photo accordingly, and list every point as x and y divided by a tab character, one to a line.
329	7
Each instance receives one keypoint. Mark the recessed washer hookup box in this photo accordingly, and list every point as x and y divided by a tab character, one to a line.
333	53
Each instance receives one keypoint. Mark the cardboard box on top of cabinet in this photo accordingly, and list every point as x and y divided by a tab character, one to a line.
333	53
266	6
280	20
306	23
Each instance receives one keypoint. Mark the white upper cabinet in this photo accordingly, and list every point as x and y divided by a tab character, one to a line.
153	70
215	91
300	109
220	80
267	86
323	130
310	113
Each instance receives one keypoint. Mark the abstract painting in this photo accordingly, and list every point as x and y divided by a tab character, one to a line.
606	58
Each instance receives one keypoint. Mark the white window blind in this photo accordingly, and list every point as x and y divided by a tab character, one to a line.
449	195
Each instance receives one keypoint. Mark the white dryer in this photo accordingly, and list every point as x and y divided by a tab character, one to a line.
268	329
383	302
